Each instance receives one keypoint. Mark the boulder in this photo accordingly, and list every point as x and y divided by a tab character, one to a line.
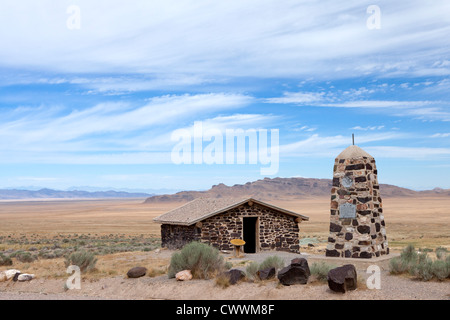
343	278
235	275
25	277
266	274
136	272
10	273
184	275
296	273
2	276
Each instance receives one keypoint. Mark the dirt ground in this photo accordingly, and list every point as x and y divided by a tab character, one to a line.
163	288
423	222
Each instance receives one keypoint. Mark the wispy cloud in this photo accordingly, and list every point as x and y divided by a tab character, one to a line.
231	38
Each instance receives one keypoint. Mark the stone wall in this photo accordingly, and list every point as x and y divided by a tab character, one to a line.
362	235
176	236
277	231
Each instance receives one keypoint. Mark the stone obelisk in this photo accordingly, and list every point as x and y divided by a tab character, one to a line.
357	227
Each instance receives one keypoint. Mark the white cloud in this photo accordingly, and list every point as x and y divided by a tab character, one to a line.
440	135
106	126
297	98
369	128
229	38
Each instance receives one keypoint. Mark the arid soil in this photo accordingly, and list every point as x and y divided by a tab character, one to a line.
423	222
163	288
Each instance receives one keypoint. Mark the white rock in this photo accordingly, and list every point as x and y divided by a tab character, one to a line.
184	275
2	276
25	277
11	273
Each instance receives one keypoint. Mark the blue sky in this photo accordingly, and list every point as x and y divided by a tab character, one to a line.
96	105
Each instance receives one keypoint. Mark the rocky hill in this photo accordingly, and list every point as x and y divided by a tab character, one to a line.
284	189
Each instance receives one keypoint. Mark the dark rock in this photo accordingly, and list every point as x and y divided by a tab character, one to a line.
335	227
343	278
16	276
296	273
136	272
235	275
266	274
310	245
332	253
348	236
365	255
336	182
359	166
363	229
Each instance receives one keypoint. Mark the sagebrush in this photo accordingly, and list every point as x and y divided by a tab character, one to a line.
83	259
203	260
420	265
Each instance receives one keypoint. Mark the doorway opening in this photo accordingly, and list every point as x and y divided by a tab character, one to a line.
250	227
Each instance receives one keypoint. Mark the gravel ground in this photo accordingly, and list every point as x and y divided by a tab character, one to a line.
119	287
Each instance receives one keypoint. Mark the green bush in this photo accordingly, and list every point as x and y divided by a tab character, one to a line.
203	260
398	266
409	254
421	265
320	270
440	269
251	270
441	253
5	260
25	256
422	268
272	262
83	259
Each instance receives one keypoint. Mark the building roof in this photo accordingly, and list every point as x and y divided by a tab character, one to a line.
202	208
353	152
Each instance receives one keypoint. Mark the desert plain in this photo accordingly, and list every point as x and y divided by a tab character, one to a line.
423	222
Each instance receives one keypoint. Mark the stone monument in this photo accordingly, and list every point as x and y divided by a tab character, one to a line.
357	228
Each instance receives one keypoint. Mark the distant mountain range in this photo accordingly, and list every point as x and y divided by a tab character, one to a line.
12	194
285	189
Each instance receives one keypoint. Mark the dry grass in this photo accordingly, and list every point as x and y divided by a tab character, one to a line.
422	222
108	265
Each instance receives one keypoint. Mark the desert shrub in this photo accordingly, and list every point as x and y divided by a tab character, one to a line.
272	262
440	269
251	270
441	253
203	260
423	268
83	259
223	281
25	256
5	260
409	254
320	270
398	266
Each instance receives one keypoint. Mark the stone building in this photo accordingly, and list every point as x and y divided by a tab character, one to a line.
216	221
357	228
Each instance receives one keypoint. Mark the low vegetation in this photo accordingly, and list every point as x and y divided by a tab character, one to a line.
420	265
320	270
270	262
32	247
84	260
203	260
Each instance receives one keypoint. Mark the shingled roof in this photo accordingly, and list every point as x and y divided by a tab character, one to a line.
202	208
